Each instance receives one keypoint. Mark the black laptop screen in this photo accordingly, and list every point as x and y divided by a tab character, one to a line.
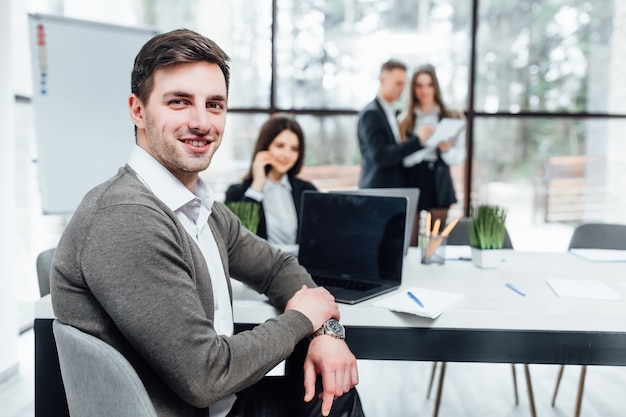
356	235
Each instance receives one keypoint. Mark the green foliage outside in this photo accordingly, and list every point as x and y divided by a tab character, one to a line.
487	228
248	213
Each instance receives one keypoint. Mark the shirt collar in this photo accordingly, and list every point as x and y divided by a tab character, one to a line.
388	107
284	183
165	185
420	113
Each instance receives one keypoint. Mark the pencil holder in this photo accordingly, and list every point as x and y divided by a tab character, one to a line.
433	249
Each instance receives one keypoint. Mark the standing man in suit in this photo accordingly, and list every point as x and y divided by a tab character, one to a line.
382	148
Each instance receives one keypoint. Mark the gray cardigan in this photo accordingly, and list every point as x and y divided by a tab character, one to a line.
126	271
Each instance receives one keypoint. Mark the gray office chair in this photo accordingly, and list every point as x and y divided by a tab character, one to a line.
98	380
44	263
460	235
591	236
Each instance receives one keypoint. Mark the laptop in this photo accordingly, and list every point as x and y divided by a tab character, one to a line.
412	194
353	244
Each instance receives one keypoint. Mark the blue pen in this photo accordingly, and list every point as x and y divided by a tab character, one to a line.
414	298
509	285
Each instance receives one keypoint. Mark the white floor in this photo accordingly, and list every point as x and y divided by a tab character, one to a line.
17	394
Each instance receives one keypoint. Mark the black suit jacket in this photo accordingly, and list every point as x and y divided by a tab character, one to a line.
381	155
236	192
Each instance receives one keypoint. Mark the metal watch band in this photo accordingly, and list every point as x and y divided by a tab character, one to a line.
333	328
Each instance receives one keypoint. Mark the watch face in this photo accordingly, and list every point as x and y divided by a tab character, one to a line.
335	327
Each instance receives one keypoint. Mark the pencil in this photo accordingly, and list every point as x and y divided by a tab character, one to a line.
436	227
449	227
428	224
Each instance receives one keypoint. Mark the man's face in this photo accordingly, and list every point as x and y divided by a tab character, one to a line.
392	84
183	122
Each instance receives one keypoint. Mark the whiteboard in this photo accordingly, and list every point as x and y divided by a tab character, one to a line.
81	83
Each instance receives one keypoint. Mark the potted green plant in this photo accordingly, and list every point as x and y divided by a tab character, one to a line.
487	230
248	213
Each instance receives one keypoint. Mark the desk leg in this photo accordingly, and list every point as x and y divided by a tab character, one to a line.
49	392
531	396
442	374
515	384
581	388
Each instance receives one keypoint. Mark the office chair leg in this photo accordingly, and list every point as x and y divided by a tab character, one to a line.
432	379
531	396
581	386
515	384
439	389
558	383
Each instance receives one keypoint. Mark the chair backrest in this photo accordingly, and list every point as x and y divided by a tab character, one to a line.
44	263
460	235
599	236
98	380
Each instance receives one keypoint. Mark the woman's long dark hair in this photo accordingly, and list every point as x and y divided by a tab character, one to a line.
407	125
277	123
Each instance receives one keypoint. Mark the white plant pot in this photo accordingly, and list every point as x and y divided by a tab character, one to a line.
486	258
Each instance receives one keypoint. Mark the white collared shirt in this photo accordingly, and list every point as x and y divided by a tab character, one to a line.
193	211
281	219
390	112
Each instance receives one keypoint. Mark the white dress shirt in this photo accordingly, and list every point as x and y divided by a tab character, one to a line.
281	219
193	211
390	112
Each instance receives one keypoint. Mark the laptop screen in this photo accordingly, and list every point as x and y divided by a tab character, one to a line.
355	236
413	197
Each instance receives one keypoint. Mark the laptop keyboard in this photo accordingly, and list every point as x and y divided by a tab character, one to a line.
326	281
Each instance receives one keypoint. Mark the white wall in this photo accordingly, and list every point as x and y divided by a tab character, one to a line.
8	292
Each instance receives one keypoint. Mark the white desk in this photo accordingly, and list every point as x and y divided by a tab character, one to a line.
488	303
491	324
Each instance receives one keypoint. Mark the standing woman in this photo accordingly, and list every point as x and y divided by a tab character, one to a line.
271	180
429	168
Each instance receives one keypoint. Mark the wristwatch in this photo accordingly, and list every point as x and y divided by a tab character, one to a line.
333	328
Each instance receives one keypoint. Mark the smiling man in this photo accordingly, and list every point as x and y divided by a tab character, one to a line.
144	263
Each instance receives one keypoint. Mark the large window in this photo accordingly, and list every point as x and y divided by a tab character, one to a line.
328	53
550	56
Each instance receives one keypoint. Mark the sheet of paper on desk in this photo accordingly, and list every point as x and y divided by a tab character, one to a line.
435	302
583	288
446	128
601	255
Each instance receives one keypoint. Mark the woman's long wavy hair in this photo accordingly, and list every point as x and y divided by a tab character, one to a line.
277	123
407	124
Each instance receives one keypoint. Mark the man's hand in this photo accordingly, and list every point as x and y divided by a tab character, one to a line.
317	304
331	358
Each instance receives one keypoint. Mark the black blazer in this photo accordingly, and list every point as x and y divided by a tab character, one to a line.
236	192
381	155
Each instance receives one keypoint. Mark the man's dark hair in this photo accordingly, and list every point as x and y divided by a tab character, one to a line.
391	65
179	46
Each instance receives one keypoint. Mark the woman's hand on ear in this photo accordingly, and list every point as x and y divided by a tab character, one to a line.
259	176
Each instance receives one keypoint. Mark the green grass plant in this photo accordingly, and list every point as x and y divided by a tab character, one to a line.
247	212
487	227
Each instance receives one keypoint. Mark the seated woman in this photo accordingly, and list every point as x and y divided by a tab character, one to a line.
271	181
